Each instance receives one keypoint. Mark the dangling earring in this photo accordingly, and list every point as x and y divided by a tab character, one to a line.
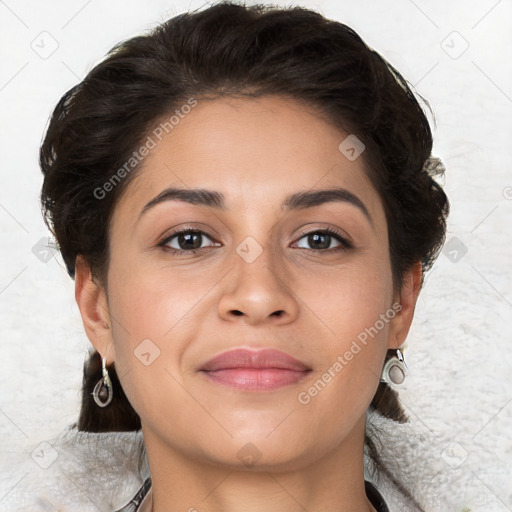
103	392
395	370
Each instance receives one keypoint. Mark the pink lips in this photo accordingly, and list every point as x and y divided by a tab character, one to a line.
260	370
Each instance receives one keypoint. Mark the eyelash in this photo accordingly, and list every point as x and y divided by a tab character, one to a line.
345	244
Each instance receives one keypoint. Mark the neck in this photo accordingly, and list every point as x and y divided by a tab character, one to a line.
184	483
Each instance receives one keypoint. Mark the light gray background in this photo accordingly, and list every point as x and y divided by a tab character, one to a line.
459	394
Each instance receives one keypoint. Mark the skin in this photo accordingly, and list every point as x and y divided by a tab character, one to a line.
194	306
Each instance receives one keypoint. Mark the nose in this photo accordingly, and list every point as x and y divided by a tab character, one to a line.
258	291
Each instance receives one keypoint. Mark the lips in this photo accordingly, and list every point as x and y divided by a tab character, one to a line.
254	359
255	370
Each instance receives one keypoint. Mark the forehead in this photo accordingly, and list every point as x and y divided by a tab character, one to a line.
254	151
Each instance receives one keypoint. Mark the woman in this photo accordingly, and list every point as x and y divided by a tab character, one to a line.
245	199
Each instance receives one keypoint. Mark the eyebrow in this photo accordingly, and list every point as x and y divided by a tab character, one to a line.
296	201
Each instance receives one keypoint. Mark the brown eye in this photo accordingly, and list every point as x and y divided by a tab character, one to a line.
184	241
321	240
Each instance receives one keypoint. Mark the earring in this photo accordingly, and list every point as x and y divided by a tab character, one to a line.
395	370
103	392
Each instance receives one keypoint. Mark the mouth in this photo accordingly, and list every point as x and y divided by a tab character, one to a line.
250	370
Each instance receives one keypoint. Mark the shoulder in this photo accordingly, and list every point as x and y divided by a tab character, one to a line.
79	471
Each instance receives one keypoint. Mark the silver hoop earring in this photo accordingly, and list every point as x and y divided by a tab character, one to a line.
395	370
103	391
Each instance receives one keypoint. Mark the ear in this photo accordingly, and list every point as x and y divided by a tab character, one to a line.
406	297
92	302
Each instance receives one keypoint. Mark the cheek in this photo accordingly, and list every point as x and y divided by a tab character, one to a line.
151	301
353	314
349	299
155	312
147	315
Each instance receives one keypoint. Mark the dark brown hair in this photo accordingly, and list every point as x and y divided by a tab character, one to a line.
232	50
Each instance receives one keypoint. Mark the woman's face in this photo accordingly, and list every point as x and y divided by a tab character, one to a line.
259	278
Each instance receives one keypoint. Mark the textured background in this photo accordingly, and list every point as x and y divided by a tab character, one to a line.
457	449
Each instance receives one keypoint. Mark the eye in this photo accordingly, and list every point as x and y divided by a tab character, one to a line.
190	241
185	241
320	240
